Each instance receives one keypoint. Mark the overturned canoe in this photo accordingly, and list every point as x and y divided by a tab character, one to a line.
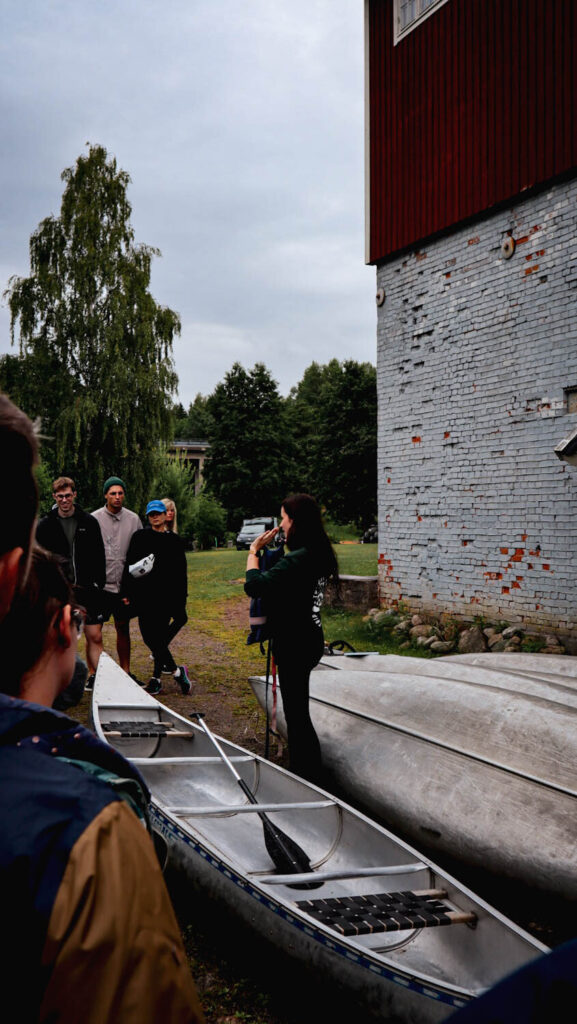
472	758
382	922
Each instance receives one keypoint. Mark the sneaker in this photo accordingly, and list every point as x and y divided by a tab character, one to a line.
181	676
89	684
136	680
154	686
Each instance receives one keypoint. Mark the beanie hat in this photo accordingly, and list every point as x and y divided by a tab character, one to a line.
113	481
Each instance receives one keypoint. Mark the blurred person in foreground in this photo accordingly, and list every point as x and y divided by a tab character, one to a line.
89	928
292	592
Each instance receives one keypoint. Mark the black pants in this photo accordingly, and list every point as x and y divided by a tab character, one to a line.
294	668
179	619
155	629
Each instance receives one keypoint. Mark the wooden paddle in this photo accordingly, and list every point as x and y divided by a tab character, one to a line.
286	855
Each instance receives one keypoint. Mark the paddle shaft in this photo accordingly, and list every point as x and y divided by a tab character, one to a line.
285	854
243	785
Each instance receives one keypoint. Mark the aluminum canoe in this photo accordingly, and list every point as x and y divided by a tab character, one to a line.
345	928
467	756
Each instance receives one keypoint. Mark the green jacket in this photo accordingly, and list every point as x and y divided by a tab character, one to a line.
292	595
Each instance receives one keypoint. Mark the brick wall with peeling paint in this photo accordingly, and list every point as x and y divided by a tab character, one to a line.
477	515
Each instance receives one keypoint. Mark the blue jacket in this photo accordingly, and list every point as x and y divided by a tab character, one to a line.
46	804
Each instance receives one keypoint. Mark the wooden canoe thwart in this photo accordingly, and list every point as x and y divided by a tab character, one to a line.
472	755
379	921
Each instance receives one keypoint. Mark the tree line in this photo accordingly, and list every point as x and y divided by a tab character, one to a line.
94	367
321	439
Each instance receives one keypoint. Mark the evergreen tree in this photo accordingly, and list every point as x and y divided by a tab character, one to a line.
248	468
96	349
333	421
196	424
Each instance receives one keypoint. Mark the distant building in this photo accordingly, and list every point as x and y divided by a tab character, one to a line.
193	454
472	227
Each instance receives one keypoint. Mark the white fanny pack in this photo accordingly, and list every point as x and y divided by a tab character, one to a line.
143	567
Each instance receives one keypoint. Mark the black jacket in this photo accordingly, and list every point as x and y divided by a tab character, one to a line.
86	563
166	585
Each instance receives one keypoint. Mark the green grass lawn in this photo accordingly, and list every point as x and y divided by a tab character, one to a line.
216	577
221	566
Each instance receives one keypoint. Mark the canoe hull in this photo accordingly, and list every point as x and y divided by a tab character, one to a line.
382	993
471	771
215	841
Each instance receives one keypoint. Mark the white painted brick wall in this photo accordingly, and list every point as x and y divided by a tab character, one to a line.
477	515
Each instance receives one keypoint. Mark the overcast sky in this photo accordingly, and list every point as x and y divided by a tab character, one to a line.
241	126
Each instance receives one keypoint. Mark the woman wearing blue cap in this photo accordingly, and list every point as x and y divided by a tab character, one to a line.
155	583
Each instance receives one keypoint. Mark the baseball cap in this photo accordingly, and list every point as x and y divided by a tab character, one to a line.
155	506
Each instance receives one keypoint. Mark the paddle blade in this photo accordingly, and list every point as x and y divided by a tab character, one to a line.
286	855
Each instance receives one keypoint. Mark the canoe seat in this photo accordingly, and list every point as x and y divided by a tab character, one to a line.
385	912
143	729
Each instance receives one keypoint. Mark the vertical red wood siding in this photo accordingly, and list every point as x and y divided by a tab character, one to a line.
474	106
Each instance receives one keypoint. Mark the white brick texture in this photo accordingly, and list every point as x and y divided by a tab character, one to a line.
477	515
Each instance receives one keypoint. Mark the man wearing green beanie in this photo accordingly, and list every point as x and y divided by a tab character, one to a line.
117	525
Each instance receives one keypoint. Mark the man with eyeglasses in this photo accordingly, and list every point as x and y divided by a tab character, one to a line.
71	532
90	932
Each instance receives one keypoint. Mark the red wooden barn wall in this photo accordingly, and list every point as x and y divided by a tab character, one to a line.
475	105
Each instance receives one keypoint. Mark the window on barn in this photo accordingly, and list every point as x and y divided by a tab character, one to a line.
408	14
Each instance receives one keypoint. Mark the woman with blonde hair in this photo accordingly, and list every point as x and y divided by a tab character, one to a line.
171	517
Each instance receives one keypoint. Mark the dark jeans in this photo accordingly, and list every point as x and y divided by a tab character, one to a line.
155	629
294	668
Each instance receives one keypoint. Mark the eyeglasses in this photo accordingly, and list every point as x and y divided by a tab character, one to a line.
78	616
63	497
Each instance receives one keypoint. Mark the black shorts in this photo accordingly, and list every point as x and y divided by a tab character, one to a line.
112	604
91	600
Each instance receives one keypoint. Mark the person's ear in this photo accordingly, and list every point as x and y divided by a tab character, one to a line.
9	577
64	626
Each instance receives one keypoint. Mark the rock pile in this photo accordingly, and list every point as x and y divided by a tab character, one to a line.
445	635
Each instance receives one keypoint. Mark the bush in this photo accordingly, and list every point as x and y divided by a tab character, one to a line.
339	532
173	479
208	520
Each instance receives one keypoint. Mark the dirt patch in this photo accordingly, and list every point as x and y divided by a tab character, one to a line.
219	664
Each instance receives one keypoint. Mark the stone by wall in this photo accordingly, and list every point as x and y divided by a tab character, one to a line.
477	516
357	593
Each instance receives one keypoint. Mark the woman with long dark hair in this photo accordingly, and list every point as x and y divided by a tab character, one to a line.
292	592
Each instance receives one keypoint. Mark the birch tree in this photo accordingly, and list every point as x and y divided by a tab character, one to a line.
86	319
